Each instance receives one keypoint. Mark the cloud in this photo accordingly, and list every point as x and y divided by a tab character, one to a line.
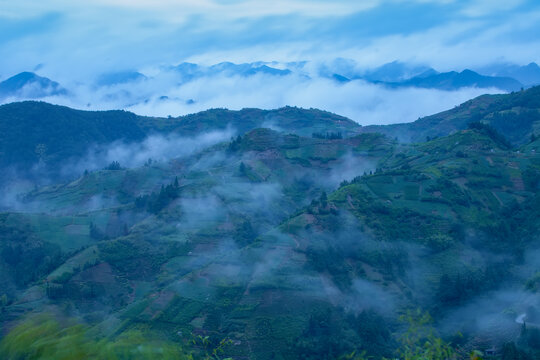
491	313
155	147
362	102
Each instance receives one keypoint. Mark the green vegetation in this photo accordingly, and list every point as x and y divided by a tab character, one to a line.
44	338
516	115
282	244
155	202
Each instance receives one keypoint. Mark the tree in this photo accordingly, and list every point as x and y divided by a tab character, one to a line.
244	233
234	145
115	165
155	202
491	132
419	342
96	233
242	169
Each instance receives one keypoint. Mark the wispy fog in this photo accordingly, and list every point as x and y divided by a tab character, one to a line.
154	148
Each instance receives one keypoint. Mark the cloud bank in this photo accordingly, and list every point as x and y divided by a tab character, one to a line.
363	102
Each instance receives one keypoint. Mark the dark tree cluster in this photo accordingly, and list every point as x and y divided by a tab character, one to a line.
244	233
457	289
516	125
330	260
235	143
334	335
29	264
96	233
115	165
155	202
492	133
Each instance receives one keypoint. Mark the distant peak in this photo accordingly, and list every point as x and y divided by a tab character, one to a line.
40	86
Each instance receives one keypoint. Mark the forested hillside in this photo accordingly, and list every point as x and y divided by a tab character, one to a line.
515	115
300	235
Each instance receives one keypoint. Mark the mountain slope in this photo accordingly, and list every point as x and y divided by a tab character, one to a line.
515	115
227	196
62	133
290	246
241	241
34	131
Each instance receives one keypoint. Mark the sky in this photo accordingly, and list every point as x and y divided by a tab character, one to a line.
73	42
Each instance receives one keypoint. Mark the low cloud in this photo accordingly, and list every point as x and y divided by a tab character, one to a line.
363	102
154	147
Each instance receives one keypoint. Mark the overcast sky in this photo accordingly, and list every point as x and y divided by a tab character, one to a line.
73	41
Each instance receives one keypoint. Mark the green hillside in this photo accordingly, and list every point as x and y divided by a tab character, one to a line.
516	115
278	245
59	133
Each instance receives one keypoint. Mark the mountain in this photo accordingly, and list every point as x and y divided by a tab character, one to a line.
30	86
528	75
246	69
399	74
515	115
396	72
455	80
63	132
300	237
190	71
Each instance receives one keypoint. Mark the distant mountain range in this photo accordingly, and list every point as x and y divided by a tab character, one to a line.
190	71
506	77
454	80
397	74
527	75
